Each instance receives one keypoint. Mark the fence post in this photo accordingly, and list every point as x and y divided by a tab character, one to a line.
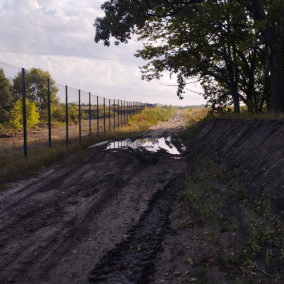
90	125
127	111
98	123
49	112
118	113
24	112
66	101
79	115
124	112
104	115
121	112
109	114
114	114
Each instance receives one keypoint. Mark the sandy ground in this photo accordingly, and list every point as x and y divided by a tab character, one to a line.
57	226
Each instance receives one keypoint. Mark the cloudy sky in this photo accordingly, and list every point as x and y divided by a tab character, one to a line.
58	36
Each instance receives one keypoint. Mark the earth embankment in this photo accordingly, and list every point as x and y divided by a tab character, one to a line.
252	149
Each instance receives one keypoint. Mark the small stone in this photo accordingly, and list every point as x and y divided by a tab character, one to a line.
177	273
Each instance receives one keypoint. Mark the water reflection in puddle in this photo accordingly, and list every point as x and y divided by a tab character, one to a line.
149	144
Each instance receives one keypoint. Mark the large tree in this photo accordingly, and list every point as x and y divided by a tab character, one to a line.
5	97
268	18
36	89
209	39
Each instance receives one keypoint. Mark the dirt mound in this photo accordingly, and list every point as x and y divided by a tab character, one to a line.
251	149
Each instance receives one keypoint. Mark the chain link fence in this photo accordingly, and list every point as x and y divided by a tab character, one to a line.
44	113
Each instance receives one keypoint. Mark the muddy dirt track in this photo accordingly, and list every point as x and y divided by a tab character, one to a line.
100	217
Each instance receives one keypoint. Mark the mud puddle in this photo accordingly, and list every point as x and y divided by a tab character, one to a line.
132	260
152	145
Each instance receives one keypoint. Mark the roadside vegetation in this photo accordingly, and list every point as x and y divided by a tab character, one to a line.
11	117
242	237
193	115
14	167
149	117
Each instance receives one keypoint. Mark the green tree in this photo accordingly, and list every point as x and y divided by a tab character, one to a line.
59	113
36	89
16	120
217	39
268	20
5	97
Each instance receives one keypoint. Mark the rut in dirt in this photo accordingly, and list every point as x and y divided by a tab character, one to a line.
58	225
131	261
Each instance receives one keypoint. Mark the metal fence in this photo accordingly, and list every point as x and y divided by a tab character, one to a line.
69	114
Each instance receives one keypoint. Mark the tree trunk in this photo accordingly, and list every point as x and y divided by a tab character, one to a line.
269	37
277	87
233	86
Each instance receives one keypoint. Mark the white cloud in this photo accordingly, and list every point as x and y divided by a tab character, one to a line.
58	36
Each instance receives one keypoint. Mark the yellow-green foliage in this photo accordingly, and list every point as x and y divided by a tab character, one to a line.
16	120
151	116
244	114
194	115
59	113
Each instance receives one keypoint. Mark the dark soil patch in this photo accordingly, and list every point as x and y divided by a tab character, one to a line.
132	260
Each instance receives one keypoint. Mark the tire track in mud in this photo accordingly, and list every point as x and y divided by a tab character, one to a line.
131	261
55	227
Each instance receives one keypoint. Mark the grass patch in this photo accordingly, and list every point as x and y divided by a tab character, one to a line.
246	236
149	117
193	115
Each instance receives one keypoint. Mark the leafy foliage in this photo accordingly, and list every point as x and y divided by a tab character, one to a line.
32	114
150	116
59	113
223	44
36	89
5	97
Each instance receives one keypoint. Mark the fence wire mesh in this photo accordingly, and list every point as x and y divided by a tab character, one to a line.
55	113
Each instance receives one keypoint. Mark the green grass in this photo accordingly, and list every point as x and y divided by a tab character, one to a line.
193	115
14	167
150	116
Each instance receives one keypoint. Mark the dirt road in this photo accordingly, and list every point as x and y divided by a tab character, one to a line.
100	217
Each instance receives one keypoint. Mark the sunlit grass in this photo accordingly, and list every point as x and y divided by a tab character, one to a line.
193	115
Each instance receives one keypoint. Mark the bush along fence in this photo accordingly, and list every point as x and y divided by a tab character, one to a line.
44	113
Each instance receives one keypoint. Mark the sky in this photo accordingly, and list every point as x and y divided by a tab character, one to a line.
58	36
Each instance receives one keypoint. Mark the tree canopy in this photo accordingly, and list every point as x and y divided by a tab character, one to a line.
233	47
36	89
5	97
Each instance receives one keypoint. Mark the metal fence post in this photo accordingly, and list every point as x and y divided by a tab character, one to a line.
127	111
121	112
66	101
124	112
79	115
118	113
104	115
49	112
90	125
24	113
98	123
109	114
114	115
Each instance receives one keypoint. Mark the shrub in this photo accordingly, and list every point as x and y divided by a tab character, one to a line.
16	121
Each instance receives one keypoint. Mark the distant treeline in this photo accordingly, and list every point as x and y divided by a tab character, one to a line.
11	103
